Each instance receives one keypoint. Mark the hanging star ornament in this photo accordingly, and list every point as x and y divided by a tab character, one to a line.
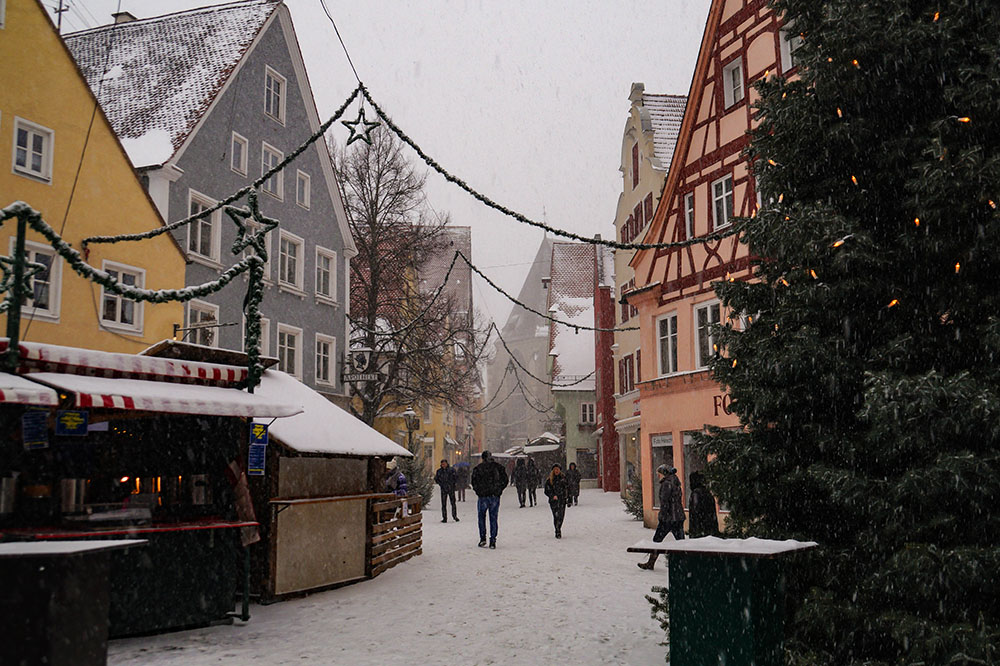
7	265
251	234
360	128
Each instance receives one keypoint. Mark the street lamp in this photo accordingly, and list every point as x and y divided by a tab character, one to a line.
412	423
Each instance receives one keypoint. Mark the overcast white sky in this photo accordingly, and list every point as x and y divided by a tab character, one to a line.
525	100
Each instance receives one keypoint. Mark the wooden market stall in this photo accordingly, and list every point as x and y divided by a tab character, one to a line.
325	518
99	446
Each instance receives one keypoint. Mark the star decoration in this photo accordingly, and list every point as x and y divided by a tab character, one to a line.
251	234
7	265
360	128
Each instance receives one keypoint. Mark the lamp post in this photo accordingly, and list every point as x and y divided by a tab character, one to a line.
412	423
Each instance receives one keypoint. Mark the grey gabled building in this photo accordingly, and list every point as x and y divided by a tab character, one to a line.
204	102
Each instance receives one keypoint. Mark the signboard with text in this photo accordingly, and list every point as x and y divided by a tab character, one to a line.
72	422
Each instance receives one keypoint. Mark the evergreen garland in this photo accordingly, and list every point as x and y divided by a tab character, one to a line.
869	382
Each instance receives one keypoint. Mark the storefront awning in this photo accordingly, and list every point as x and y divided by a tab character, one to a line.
140	394
15	389
449	441
540	448
322	427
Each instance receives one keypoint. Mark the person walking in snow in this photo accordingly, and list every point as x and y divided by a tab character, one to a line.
489	479
395	482
519	478
704	520
671	517
447	479
461	480
557	490
534	478
573	479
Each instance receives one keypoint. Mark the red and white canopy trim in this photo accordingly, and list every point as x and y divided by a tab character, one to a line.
160	396
38	357
20	391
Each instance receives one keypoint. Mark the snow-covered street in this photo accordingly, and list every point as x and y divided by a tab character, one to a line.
533	600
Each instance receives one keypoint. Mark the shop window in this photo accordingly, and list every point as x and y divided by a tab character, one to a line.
694	461
662	447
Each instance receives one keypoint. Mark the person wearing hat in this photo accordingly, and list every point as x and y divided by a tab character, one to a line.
395	482
671	516
489	478
557	490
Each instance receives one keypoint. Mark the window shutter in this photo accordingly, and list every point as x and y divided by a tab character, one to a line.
648	205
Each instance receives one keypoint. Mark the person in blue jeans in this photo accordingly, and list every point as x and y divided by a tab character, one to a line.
489	478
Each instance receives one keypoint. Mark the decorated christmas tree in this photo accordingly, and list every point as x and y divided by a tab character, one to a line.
868	377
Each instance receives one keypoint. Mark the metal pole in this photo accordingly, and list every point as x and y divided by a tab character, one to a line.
17	289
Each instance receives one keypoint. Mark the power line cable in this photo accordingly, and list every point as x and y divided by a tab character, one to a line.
334	23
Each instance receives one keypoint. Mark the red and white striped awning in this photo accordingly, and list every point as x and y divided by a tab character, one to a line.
15	389
159	396
39	357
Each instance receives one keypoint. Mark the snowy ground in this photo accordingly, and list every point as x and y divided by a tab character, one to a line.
533	600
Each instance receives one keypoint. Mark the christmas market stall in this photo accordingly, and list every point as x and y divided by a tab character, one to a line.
319	495
107	446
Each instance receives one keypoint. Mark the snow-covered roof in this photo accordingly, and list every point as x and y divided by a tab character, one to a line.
64	547
571	299
752	546
322	427
663	117
155	77
15	389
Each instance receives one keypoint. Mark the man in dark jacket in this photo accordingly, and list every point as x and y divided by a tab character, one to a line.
519	477
573	479
534	478
489	478
447	479
704	520
671	516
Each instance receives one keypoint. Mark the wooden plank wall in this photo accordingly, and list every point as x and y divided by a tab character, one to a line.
393	537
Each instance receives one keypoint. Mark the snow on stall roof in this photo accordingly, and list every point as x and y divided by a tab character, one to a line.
15	389
156	396
322	427
751	547
163	73
36	548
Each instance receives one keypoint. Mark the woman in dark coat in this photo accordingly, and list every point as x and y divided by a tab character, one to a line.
557	490
573	479
534	478
703	519
519	478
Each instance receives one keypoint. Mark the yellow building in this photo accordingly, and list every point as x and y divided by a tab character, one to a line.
67	164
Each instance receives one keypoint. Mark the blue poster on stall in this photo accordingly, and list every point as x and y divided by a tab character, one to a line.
255	460
35	429
258	433
72	422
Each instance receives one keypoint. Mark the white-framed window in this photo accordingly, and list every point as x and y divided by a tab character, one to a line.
238	154
118	311
326	273
291	260
274	95
33	148
689	215
290	350
587	412
270	157
790	40
202	313
662	450
204	234
722	202
732	82
42	299
265	336
303	189
326	357
706	315
666	331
